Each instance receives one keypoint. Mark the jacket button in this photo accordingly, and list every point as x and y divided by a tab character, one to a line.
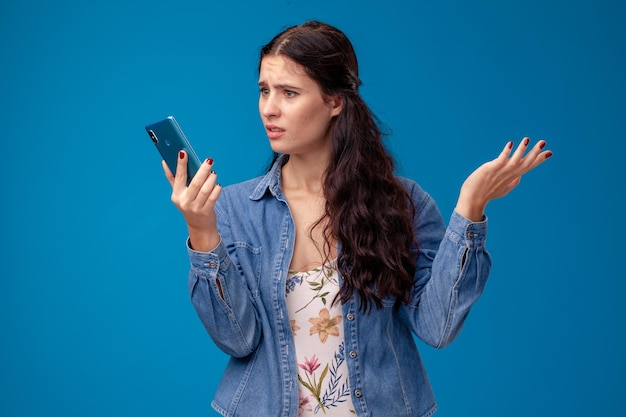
470	234
357	393
352	354
212	264
350	316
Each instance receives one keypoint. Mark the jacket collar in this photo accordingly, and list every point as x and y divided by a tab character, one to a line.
271	181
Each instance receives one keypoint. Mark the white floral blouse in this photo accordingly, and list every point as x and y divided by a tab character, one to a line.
318	333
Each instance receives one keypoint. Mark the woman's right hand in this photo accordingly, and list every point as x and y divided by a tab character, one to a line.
196	202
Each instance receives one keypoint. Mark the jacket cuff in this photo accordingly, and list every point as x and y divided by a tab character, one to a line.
462	229
208	260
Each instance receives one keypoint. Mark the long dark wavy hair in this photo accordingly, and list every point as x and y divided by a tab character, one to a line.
367	209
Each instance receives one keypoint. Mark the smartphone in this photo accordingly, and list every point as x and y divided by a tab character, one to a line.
169	140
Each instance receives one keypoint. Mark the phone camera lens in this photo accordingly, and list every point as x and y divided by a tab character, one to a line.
153	136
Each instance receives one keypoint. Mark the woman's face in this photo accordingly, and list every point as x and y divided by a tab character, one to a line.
293	109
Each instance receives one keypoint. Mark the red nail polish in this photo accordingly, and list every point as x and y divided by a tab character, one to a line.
542	145
181	154
510	144
548	154
209	161
526	141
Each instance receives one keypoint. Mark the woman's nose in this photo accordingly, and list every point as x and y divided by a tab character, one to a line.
269	107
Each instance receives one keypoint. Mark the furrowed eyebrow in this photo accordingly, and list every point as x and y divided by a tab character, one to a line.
280	86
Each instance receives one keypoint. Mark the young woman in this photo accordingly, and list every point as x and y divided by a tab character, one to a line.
314	277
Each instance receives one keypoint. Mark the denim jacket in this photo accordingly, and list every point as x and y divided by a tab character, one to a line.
238	291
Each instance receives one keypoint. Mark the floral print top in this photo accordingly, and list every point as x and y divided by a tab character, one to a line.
318	333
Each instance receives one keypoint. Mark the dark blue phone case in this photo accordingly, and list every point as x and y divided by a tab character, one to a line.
169	139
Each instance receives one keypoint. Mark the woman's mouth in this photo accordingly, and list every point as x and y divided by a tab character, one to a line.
274	132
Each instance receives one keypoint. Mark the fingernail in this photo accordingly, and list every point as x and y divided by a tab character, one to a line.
209	161
510	144
548	154
526	141
542	145
181	154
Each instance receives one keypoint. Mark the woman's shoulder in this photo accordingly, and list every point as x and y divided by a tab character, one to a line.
412	187
419	196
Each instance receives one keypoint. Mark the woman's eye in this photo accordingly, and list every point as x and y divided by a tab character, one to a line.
290	93
264	91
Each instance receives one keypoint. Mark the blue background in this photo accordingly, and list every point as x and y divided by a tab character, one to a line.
95	318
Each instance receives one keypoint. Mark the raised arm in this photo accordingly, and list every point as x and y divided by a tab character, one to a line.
453	263
218	292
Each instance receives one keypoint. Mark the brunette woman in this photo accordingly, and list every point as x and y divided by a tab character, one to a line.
315	276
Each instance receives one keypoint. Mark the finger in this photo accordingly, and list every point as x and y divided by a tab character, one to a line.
506	151
521	149
201	175
200	187
206	196
168	173
180	180
536	156
540	159
214	195
205	191
531	157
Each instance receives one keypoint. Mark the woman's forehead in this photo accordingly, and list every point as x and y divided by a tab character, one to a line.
281	67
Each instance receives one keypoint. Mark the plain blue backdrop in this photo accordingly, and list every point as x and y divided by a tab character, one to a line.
95	318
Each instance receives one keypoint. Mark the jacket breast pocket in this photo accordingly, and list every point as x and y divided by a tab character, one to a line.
249	264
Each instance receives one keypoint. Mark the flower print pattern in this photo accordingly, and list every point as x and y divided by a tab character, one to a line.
322	371
337	389
294	327
313	382
292	281
318	279
310	365
324	325
304	404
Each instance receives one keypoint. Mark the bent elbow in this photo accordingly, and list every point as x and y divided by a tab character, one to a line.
236	350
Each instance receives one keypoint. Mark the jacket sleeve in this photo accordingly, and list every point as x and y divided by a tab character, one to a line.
452	269
221	297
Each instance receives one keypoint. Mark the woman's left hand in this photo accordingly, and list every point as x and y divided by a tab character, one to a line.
495	179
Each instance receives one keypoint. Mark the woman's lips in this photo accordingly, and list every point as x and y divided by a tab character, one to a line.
274	132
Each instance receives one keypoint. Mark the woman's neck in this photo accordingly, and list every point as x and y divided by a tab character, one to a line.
305	173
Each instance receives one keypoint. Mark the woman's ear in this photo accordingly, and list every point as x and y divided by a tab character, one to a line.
336	104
